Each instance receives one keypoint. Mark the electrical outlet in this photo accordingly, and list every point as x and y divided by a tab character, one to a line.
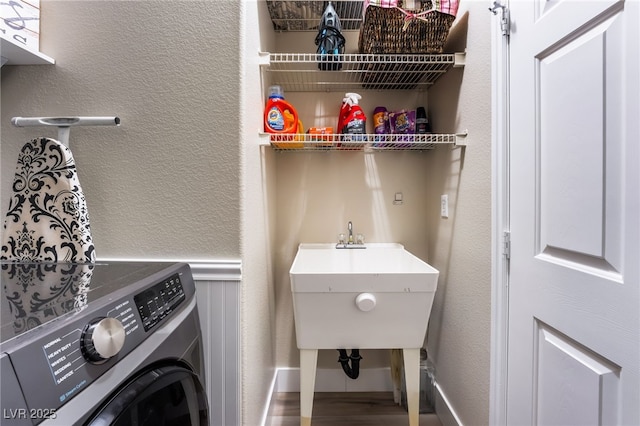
398	199
444	205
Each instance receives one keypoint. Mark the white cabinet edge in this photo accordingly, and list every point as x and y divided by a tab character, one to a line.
13	54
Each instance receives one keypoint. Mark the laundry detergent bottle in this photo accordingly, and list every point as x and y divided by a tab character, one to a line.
279	115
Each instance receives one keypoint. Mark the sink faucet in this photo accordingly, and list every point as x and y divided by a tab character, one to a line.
350	242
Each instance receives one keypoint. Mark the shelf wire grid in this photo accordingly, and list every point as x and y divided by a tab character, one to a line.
309	72
362	142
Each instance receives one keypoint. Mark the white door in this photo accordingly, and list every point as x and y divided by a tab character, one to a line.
574	298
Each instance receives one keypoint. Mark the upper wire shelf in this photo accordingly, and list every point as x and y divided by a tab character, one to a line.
307	72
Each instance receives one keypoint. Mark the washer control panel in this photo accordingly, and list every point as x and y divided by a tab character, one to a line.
59	364
155	303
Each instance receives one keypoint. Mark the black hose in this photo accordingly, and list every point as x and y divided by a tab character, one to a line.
352	371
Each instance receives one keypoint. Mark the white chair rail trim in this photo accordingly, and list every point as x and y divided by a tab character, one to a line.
202	270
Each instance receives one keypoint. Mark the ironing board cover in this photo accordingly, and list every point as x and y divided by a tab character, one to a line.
40	292
47	220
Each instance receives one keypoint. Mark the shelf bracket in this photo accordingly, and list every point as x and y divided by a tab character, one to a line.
461	139
459	59
64	123
265	59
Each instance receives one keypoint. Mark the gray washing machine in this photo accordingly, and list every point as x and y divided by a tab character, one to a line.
116	343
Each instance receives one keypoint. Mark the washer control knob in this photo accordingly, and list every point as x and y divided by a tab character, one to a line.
366	302
102	339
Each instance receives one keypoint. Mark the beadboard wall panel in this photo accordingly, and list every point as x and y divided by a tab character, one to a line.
218	298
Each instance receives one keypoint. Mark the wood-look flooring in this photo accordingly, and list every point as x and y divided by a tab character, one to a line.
344	409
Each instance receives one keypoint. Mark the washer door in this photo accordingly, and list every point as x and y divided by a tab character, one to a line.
164	396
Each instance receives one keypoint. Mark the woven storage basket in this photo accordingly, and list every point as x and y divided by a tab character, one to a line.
382	31
295	15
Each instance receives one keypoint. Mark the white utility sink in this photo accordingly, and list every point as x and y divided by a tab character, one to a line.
377	297
361	298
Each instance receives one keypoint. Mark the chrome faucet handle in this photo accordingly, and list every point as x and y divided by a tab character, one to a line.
350	228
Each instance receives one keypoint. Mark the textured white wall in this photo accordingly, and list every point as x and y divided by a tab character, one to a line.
183	176
460	246
166	183
257	212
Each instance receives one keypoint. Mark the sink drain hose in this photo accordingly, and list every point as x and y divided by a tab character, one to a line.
351	370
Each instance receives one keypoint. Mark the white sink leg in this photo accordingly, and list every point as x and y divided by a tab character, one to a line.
308	362
412	380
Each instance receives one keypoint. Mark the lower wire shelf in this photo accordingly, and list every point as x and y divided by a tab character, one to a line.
363	142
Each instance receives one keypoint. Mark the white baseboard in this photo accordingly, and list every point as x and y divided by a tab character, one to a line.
271	396
444	410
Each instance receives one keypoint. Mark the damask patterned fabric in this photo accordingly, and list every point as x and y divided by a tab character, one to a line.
47	220
39	292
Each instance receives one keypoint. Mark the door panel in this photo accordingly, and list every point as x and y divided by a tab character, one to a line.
574	298
572	152
576	140
574	386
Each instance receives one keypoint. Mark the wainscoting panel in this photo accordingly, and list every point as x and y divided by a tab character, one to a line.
218	298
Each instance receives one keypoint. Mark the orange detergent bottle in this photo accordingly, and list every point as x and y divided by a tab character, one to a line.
280	118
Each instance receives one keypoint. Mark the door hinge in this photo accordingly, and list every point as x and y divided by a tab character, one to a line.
505	20
506	244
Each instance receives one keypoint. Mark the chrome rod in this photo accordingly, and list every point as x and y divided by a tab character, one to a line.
63	123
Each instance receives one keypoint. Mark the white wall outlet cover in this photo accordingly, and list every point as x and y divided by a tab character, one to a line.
444	205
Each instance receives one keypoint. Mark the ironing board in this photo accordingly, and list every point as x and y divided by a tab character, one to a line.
47	218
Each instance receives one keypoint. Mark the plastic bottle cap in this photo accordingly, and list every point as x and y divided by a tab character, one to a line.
276	92
352	98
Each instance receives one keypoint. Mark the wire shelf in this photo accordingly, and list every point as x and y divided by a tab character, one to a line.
364	142
309	72
305	15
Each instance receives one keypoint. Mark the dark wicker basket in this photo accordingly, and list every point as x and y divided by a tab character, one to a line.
288	15
382	31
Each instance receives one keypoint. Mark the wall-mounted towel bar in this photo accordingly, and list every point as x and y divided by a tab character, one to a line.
64	123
